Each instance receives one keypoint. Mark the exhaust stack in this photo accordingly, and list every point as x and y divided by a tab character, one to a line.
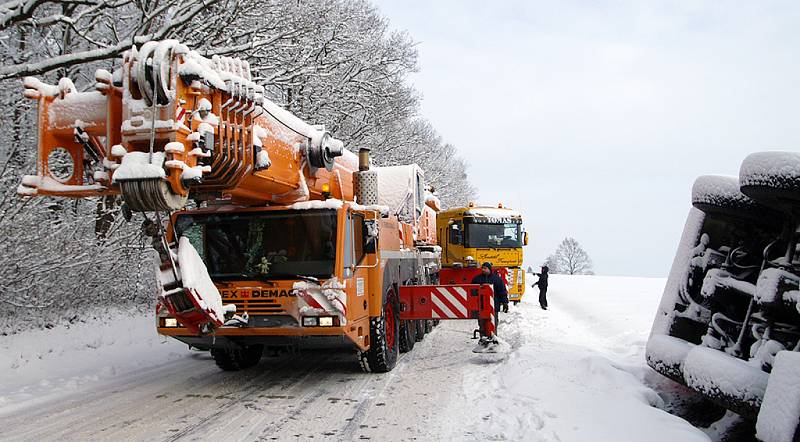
366	180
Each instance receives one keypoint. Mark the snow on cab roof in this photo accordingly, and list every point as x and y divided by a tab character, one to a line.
492	212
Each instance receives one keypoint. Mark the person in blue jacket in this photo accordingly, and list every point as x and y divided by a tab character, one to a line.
500	292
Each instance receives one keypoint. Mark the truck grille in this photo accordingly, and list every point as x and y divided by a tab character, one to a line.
257	306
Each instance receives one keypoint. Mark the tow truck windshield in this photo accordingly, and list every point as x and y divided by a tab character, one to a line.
493	235
263	245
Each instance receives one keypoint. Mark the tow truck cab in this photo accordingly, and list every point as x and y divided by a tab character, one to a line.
472	235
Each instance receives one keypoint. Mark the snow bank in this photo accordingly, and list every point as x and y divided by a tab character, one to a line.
577	371
37	364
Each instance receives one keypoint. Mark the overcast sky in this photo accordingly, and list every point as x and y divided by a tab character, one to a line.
594	118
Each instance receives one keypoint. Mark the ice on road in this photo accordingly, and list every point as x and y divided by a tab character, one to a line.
576	372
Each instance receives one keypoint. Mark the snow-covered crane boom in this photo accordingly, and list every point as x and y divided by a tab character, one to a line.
170	124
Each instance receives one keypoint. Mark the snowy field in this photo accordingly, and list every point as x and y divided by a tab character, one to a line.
576	373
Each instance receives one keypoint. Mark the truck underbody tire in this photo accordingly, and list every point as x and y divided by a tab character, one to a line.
419	327
515	302
721	195
384	333
772	178
408	335
237	359
428	326
779	416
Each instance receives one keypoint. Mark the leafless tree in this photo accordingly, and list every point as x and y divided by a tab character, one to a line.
552	264
571	259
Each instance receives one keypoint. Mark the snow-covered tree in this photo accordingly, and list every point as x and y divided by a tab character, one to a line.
332	62
571	259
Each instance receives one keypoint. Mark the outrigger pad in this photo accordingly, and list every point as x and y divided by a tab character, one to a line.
492	345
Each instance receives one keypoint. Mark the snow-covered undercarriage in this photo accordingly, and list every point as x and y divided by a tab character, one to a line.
729	322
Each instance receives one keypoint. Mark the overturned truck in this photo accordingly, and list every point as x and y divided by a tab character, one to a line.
728	325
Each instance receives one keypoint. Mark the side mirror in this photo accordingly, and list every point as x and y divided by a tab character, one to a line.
524	238
370	235
455	234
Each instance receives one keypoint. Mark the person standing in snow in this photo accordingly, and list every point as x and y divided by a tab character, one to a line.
500	293
542	283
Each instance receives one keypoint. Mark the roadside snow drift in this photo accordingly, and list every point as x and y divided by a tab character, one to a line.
574	373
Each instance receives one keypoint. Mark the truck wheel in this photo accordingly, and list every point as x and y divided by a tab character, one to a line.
721	195
428	326
408	334
384	333
420	328
515	302
237	359
779	416
772	178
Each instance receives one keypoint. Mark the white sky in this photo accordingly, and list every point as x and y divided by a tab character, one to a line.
594	118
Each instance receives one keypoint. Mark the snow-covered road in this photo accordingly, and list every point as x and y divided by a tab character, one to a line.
576	373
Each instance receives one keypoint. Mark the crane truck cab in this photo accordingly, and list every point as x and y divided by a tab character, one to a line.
475	234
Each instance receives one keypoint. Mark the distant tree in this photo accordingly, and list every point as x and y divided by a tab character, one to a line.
552	264
530	269
571	259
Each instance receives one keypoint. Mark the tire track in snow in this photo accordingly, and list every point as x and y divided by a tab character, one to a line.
253	387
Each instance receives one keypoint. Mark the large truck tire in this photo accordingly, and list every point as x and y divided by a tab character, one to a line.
420	330
237	359
779	417
408	336
772	178
714	194
384	334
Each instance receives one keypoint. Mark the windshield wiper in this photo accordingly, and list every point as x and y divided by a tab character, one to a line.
290	276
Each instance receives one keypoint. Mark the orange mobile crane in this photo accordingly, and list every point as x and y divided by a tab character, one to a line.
293	239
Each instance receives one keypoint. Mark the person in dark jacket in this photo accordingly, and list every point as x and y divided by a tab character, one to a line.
500	293
542	283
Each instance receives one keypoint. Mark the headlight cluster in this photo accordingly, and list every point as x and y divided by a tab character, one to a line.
170	322
320	321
